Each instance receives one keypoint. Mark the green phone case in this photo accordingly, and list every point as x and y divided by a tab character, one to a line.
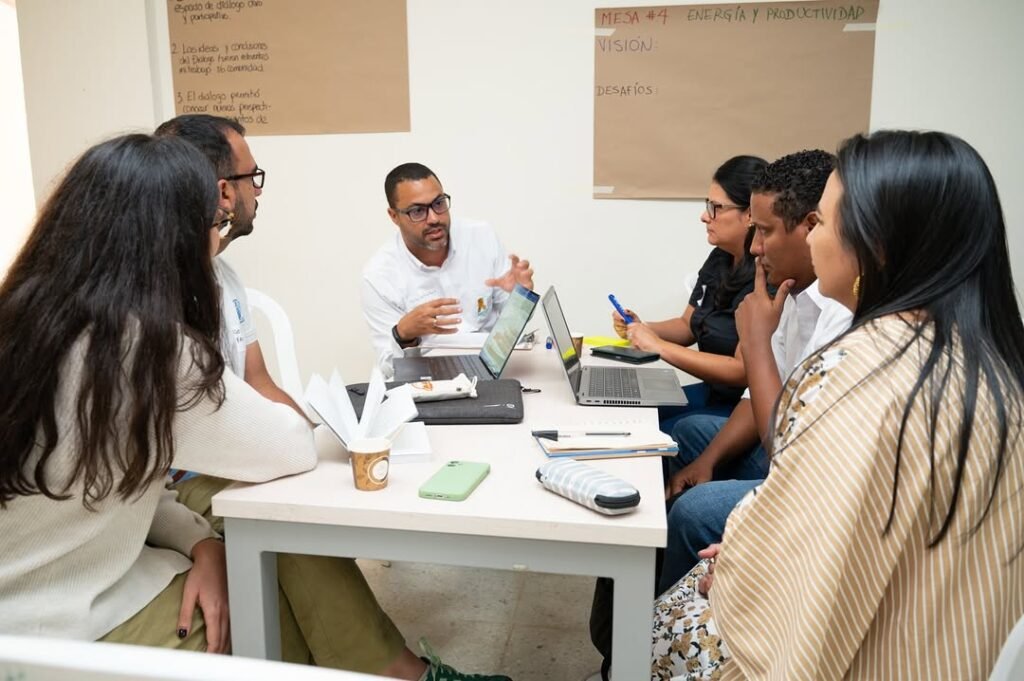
455	481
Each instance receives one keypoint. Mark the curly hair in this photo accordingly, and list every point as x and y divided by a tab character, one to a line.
797	180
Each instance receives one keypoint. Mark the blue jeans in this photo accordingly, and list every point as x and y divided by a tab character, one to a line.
695	521
697	517
696	403
694	432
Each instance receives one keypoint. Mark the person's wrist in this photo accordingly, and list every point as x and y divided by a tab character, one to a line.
402	341
204	546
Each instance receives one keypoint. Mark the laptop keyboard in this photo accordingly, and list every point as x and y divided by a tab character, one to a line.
453	365
613	382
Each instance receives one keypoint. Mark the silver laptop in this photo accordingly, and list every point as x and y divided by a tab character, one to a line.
493	355
608	386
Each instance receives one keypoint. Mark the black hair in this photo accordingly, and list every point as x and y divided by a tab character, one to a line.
735	177
797	180
209	134
403	173
117	267
921	213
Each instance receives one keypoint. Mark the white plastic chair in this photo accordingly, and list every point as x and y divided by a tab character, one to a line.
50	659
1010	664
284	342
690	283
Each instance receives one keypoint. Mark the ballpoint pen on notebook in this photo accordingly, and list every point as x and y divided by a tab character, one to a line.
557	434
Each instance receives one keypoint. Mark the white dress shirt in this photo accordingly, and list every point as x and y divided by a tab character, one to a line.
395	281
809	320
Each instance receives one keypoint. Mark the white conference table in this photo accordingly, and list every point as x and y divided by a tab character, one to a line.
510	522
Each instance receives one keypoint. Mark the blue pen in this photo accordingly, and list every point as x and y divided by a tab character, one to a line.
625	317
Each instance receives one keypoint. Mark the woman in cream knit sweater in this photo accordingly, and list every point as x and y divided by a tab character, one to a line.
109	374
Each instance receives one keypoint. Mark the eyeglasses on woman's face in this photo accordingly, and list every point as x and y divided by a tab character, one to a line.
713	207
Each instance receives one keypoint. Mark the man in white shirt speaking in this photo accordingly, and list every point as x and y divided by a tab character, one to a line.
436	275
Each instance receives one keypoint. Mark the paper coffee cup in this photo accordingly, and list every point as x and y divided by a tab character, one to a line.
370	458
577	343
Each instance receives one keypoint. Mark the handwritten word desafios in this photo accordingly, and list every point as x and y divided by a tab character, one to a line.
625	90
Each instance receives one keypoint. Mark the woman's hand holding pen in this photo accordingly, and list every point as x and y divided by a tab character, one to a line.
620	325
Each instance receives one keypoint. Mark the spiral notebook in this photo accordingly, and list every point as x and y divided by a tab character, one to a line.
643	440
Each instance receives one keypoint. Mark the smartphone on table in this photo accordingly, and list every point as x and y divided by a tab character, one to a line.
455	481
631	355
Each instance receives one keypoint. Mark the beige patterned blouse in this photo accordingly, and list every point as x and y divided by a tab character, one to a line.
807	586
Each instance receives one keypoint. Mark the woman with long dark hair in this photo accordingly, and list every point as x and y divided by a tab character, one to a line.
708	322
109	373
886	540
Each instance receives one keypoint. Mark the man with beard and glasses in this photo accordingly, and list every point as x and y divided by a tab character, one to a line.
240	183
437	275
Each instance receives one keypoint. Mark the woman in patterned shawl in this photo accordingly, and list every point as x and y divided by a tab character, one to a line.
885	541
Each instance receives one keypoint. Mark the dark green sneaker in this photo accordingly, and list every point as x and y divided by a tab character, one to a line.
441	672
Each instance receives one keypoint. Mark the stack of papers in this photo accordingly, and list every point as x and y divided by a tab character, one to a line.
641	441
388	418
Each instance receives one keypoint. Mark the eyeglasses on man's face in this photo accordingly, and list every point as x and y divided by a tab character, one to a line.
713	207
417	212
257	176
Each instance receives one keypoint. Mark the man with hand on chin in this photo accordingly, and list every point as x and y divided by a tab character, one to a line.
436	276
721	459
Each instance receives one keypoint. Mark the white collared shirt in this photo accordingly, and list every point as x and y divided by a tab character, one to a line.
395	281
809	320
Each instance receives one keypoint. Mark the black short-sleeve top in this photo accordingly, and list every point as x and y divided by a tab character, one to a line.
715	327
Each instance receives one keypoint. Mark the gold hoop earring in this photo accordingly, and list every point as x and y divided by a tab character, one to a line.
225	225
856	287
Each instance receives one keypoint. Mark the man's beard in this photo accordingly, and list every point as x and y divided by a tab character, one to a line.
439	245
241	225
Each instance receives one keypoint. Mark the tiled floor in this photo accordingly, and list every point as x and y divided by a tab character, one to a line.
530	626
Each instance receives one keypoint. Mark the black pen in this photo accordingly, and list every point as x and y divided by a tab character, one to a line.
558	434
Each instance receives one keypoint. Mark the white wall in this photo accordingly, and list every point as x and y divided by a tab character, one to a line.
502	109
958	66
16	202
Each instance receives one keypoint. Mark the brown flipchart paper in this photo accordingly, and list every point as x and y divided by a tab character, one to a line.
680	89
292	67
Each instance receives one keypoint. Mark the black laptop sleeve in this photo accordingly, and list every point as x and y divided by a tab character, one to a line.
499	401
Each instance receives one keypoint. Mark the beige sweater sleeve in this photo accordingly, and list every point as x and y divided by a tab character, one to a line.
176	526
248	438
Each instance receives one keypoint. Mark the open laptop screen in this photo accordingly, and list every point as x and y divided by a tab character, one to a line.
562	337
502	339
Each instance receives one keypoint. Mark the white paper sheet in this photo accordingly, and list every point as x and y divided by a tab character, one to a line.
380	418
395	411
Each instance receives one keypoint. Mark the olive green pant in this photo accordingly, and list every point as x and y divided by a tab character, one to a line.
329	615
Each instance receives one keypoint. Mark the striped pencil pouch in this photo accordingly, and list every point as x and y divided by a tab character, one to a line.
589	486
